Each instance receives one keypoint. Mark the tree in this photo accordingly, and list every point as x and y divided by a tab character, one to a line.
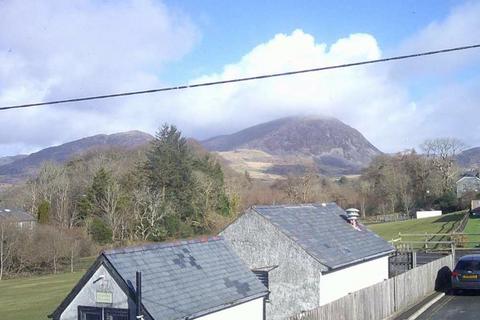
43	213
52	185
99	231
9	239
168	170
149	210
442	152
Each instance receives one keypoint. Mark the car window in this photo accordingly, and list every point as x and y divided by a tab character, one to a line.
472	265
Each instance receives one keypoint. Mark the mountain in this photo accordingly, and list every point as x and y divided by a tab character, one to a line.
469	158
10	159
289	144
23	166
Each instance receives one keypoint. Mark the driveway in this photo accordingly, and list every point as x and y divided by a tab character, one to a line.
465	306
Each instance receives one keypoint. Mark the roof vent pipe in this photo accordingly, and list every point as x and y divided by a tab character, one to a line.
138	295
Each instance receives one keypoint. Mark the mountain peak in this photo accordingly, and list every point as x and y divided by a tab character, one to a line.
327	140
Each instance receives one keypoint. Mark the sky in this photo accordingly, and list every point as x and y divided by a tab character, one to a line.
63	49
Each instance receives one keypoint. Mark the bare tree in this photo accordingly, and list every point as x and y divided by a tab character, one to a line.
110	207
442	152
149	211
9	236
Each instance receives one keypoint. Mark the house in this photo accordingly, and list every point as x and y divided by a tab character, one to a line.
18	217
468	184
195	279
309	254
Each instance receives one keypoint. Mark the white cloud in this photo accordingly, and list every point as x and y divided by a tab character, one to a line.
59	49
395	105
70	50
364	97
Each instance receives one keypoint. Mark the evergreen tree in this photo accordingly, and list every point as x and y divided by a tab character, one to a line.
88	204
168	170
43	213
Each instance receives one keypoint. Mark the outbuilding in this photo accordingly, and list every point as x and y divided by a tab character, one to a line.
196	279
308	255
18	217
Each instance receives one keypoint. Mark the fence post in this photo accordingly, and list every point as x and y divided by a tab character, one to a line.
414	259
453	253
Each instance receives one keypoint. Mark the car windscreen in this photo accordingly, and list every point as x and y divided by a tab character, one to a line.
472	265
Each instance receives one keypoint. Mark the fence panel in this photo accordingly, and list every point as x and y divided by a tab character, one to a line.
382	299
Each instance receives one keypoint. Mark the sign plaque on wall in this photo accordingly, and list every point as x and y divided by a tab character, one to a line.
104	297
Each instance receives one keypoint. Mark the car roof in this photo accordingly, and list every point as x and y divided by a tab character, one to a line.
475	257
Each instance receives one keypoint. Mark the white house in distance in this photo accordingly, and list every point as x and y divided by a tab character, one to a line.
308	255
197	279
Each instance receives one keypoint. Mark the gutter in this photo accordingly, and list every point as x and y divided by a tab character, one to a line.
350	263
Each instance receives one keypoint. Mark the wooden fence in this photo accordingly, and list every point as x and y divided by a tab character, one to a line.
384	299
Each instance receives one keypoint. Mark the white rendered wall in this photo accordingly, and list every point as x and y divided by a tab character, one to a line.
251	310
428	214
87	295
337	284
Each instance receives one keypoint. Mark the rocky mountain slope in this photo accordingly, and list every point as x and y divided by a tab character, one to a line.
328	144
469	158
23	166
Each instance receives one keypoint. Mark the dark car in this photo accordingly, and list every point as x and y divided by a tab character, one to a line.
466	274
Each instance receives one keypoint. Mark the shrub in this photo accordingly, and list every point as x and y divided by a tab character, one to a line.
100	231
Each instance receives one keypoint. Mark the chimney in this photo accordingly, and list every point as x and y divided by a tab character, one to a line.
352	216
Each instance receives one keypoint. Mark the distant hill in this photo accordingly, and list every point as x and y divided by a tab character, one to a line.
469	158
10	159
23	166
328	144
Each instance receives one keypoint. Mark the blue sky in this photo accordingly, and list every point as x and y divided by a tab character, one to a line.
88	47
229	30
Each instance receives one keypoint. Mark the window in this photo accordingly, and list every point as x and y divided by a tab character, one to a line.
89	313
94	313
116	314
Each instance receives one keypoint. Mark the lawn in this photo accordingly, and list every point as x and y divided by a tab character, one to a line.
35	297
473	226
443	224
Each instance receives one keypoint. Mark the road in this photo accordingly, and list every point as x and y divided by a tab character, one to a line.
465	306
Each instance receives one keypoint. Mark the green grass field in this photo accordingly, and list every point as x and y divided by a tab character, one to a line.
36	297
473	226
443	224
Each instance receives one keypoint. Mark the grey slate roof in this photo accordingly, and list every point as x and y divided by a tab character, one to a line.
15	214
323	232
187	278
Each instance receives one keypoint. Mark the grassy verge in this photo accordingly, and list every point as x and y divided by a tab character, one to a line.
35	297
443	224
473	226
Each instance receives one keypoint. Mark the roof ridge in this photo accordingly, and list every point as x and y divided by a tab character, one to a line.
296	205
162	245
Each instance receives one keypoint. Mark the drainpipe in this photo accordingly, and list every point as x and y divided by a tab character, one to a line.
138	296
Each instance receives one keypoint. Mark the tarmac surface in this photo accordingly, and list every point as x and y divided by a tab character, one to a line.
462	306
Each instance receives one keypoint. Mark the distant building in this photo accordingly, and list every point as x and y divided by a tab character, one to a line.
18	217
422	214
308	255
196	279
468	184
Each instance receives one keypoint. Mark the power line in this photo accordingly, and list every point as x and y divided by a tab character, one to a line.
273	75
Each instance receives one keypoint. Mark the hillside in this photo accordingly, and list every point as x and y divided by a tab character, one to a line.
289	144
10	159
469	158
26	165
